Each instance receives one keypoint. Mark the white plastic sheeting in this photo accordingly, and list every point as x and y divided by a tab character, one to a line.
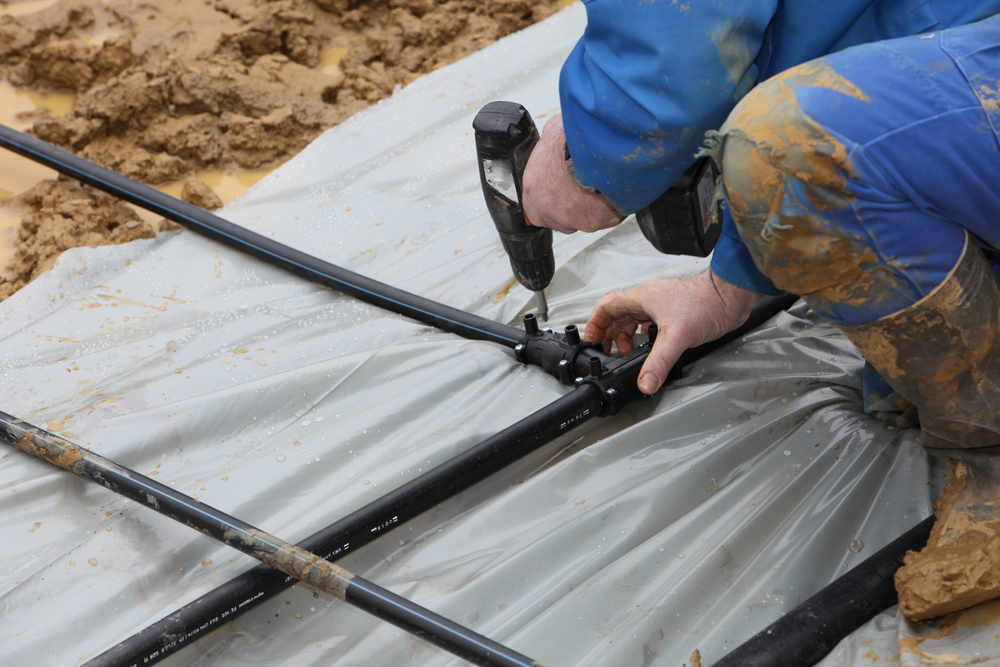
691	520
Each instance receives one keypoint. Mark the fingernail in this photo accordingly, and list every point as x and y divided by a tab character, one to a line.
648	383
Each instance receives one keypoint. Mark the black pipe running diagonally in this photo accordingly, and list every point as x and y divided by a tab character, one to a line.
806	634
406	502
289	559
256	245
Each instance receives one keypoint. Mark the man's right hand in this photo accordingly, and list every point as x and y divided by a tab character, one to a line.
687	312
552	198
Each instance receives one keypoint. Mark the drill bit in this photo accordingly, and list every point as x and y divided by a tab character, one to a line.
543	305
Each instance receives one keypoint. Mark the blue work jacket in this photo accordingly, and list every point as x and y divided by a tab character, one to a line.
650	77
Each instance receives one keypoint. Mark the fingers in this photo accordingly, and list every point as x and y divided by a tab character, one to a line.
546	222
666	351
545	177
618	315
596	329
615	319
688	312
624	340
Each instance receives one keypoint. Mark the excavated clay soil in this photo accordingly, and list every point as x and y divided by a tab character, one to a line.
164	90
944	578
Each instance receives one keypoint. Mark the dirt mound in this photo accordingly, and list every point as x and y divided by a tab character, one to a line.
64	215
226	84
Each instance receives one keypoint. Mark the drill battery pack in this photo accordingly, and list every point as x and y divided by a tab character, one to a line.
682	221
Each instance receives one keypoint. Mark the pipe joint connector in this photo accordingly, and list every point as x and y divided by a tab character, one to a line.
563	355
616	378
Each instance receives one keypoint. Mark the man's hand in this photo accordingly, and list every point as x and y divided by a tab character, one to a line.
687	312
551	197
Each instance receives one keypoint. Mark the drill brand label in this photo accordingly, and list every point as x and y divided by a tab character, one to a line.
500	178
706	194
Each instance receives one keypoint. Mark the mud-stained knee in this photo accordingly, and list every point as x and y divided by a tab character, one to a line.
786	180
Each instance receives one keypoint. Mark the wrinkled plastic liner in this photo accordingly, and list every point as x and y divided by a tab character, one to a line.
691	520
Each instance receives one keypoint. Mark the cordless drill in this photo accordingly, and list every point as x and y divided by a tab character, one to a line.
679	222
505	137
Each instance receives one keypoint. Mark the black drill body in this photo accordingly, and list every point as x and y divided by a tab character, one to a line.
505	137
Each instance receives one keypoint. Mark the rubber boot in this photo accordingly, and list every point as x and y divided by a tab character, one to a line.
943	354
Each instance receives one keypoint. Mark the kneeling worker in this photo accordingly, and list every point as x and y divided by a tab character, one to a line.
859	144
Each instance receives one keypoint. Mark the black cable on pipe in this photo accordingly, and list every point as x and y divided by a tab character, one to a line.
269	549
357	529
803	636
267	250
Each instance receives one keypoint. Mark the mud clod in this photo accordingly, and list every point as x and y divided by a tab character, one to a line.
64	215
222	84
197	193
944	578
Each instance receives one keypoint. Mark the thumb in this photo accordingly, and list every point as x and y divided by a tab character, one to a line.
666	351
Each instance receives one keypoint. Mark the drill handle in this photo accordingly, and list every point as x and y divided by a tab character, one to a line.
505	137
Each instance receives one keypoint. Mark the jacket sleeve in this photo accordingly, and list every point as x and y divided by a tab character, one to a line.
647	80
731	260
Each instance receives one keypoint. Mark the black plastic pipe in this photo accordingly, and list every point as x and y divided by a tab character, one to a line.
805	635
357	529
291	560
302	264
265	249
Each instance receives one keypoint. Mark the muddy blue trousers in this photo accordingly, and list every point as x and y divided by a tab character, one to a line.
852	179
